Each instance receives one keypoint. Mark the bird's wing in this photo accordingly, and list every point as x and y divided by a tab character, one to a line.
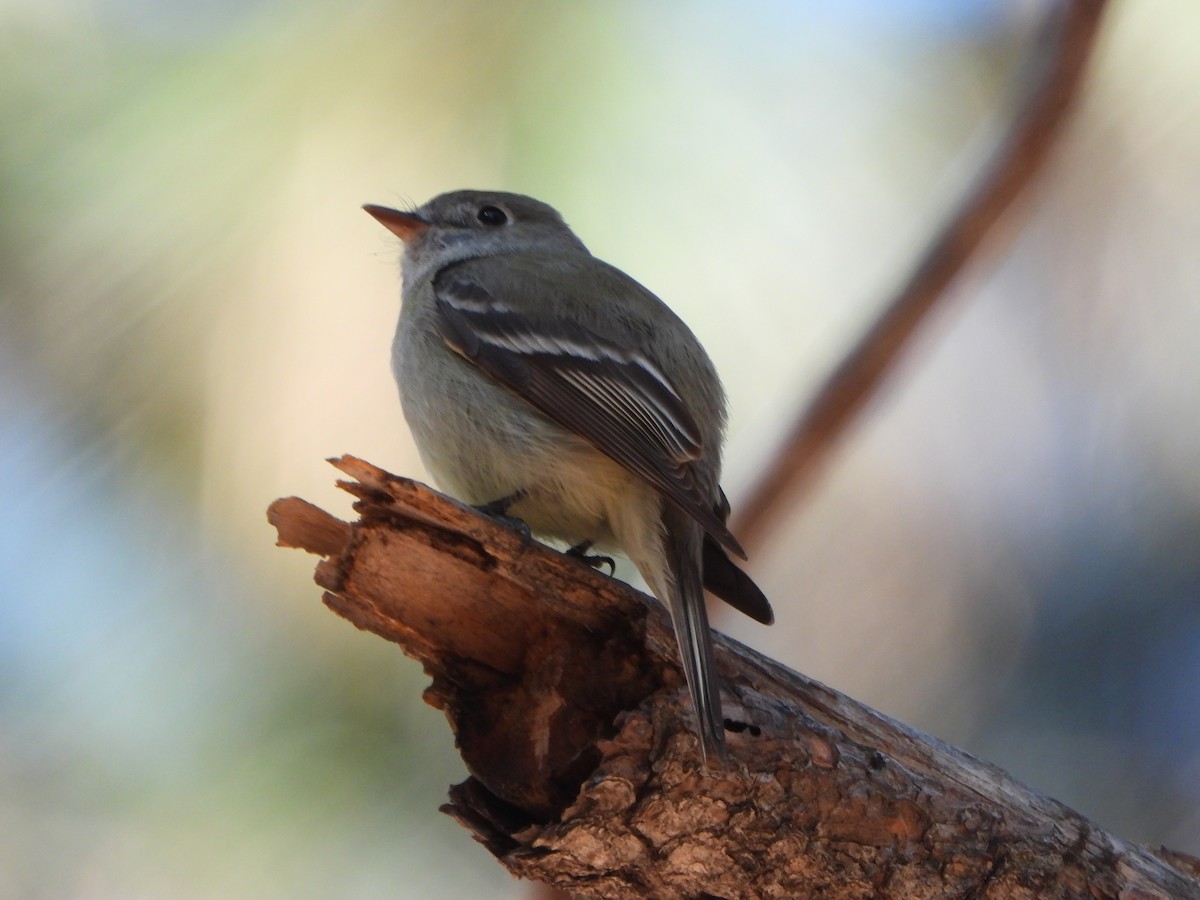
724	579
616	398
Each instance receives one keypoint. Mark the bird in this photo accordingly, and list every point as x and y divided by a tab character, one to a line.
544	384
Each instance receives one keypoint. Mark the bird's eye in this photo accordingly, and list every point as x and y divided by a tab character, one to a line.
491	215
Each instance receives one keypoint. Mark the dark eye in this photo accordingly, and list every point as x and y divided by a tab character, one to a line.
491	215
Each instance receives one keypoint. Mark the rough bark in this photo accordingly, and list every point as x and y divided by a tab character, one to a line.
563	690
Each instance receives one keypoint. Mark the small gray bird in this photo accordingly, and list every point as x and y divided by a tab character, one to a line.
541	382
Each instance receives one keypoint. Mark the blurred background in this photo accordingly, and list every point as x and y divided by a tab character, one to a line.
194	313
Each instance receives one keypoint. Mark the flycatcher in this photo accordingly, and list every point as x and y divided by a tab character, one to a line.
542	382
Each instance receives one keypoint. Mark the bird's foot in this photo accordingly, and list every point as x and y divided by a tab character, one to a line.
580	552
497	510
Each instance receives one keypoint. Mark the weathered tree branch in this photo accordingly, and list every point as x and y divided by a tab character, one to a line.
1052	82
569	709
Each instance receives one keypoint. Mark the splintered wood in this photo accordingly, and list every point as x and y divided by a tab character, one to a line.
563	690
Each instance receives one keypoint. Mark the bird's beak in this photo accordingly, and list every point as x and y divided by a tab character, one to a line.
405	226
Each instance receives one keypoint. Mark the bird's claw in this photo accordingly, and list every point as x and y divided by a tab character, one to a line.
497	511
580	552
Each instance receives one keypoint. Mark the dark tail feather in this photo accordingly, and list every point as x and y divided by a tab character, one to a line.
682	543
725	580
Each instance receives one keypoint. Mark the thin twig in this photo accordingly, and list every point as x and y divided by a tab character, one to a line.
1053	79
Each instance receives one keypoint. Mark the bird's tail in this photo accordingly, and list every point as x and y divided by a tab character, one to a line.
684	594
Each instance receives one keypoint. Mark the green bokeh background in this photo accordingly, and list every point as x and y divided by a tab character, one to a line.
194	313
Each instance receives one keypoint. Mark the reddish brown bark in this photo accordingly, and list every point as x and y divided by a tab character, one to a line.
563	690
